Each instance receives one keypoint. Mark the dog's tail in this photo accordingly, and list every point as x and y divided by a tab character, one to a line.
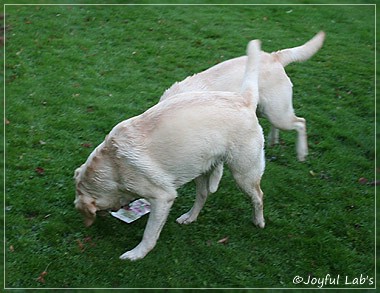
301	53
250	87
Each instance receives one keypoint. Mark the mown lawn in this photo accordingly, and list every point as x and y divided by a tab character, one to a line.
73	72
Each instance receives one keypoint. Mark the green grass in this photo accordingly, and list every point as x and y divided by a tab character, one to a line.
73	72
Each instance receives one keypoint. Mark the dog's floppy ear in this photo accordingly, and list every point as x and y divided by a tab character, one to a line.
91	214
87	206
77	171
89	210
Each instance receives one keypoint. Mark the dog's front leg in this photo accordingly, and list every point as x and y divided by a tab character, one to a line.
159	212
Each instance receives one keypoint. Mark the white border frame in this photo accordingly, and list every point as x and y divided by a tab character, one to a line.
172	4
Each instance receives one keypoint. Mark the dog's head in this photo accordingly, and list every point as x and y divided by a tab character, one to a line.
96	186
85	202
87	206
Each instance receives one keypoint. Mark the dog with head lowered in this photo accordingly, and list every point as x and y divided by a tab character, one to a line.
172	143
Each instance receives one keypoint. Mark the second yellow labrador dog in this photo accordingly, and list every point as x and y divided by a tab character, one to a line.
275	96
275	87
172	143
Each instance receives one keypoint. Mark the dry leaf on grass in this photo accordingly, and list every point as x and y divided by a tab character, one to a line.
83	245
40	170
80	245
363	180
223	240
41	277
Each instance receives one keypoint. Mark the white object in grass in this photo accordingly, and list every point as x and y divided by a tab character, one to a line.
135	210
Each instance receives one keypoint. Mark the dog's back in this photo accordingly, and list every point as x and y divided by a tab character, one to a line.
228	75
186	135
193	128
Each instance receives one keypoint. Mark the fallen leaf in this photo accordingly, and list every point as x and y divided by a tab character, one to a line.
89	241
85	243
40	170
80	245
42	142
7	122
41	277
363	180
11	248
223	240
312	173
86	145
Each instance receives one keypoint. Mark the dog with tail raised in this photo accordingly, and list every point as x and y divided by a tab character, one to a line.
275	87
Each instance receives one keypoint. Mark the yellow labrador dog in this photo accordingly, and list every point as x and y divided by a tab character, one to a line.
172	143
275	87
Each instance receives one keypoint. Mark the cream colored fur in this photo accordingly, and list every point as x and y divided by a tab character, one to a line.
172	143
275	102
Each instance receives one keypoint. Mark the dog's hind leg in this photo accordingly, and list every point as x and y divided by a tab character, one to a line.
201	183
247	169
273	137
251	186
302	149
160	207
288	121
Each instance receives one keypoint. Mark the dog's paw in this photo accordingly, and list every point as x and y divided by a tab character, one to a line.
302	157
132	255
185	219
259	223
